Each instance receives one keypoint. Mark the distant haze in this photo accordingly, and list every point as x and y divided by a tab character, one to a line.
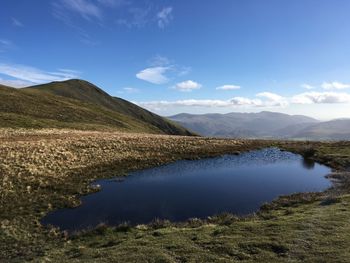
265	125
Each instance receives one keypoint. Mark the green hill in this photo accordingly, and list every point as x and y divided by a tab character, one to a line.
80	105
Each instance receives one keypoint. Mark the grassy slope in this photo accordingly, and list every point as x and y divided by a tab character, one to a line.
299	228
35	109
86	92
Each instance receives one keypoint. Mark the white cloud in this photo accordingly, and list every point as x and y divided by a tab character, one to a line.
273	99
236	102
307	86
261	100
228	87
335	85
186	103
187	86
165	16
34	75
154	75
321	97
232	103
16	22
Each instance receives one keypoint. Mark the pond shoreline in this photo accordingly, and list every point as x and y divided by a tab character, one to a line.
56	168
236	171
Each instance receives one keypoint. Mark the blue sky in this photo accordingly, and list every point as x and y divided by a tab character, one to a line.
194	56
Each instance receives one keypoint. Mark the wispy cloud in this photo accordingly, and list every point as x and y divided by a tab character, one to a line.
335	85
85	8
228	87
187	86
154	75
141	13
5	45
31	75
183	71
138	16
159	61
114	3
106	13
165	16
15	83
16	22
60	12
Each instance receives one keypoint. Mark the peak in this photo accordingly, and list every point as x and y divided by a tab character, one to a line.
74	81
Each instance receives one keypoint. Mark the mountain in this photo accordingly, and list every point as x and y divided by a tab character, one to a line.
77	104
265	125
329	130
244	125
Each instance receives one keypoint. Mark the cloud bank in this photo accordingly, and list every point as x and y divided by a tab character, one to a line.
261	100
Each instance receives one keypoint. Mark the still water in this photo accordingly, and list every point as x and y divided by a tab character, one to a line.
239	184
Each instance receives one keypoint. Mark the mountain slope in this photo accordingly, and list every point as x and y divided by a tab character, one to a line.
87	108
86	92
329	130
248	125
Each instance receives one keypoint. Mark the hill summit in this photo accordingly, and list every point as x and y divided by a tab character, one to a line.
77	104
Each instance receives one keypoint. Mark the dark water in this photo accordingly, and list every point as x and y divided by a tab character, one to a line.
187	189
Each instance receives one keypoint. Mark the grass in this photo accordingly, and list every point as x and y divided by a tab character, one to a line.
77	104
43	170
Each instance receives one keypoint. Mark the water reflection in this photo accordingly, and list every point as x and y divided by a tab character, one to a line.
185	189
308	163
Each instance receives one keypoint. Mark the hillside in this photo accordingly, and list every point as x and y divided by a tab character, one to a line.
329	130
245	125
77	104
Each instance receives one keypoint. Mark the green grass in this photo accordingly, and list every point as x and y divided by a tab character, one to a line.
302	233
77	104
86	92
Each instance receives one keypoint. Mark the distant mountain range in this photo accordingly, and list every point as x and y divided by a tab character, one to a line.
77	104
264	125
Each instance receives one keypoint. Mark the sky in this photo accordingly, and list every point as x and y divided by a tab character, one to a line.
193	56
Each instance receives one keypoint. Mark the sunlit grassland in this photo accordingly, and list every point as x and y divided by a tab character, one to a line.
42	170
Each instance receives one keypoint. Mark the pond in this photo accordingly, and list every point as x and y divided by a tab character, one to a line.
238	184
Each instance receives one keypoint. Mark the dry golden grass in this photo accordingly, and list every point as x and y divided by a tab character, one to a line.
45	169
42	170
